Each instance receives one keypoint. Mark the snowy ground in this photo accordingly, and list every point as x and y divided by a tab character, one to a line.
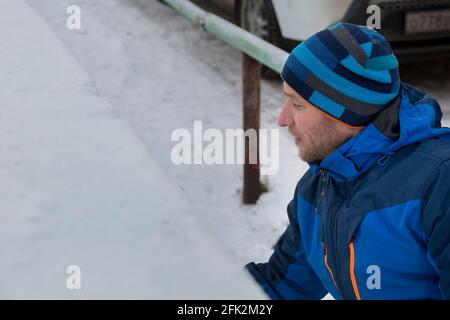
160	73
80	189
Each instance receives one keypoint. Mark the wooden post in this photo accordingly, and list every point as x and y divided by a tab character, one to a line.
251	75
256	52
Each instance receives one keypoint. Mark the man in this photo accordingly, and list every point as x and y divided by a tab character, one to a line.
370	219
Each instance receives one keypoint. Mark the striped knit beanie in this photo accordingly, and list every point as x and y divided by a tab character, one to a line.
348	72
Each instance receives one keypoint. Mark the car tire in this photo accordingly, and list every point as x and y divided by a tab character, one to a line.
259	18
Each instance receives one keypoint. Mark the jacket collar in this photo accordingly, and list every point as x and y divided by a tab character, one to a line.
410	118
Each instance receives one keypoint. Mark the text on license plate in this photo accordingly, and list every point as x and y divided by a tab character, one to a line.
427	21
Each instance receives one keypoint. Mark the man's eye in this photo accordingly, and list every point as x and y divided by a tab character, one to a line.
298	106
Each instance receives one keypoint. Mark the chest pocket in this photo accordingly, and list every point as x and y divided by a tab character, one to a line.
389	254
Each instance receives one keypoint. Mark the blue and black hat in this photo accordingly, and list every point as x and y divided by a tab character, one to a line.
347	71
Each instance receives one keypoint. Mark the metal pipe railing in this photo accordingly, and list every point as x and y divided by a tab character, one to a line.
262	51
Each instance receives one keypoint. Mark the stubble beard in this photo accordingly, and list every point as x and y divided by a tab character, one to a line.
322	141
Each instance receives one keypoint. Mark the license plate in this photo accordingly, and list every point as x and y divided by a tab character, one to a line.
420	22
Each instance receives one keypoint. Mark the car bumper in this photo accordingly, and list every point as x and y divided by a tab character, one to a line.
406	47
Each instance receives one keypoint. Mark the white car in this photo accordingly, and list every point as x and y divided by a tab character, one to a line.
415	28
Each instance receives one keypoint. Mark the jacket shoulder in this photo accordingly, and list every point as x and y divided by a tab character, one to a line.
436	148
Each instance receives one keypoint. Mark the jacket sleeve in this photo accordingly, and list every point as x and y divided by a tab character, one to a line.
436	224
287	274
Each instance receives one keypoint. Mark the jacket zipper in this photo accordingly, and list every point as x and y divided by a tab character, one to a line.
327	266
352	271
323	178
338	279
336	258
335	251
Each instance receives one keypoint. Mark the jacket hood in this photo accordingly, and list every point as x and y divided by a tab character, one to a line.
412	117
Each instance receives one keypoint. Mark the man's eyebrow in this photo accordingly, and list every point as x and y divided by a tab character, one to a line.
288	94
284	91
293	97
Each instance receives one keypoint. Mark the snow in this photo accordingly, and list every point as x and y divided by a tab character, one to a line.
162	73
151	71
83	190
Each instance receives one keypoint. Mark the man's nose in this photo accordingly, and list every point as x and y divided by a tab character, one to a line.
285	117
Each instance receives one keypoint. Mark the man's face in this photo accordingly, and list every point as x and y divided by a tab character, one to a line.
316	136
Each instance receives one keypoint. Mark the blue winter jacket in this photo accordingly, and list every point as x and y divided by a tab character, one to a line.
372	220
